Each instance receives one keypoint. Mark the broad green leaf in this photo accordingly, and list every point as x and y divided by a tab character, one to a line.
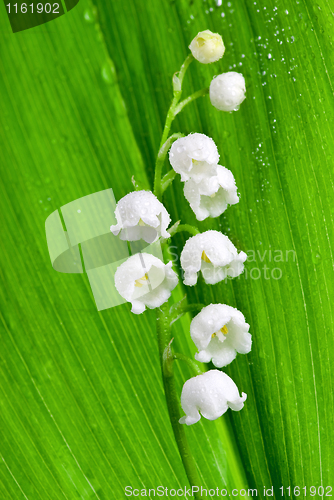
83	413
279	148
83	101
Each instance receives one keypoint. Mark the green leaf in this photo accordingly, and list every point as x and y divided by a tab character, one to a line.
83	101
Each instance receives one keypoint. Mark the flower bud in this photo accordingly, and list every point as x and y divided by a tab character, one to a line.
207	47
227	91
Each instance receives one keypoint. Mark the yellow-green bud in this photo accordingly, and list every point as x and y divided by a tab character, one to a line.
207	47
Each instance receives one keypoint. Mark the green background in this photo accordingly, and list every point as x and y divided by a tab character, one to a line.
82	106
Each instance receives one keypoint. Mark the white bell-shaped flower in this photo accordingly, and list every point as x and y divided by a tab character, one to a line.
144	280
214	255
211	196
207	47
192	155
209	395
219	332
227	91
140	215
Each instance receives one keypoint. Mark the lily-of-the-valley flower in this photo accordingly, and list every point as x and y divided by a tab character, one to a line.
140	215
213	193
145	281
207	47
190	156
214	255
220	332
209	395
227	91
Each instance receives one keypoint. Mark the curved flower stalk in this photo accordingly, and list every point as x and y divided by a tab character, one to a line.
192	156
140	215
209	395
219	333
214	255
145	281
227	91
213	194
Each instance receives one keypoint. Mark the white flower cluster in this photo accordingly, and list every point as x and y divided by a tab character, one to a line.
143	279
208	187
219	331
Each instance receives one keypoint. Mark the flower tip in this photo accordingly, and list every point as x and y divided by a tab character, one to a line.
137	307
238	404
207	47
189	420
114	229
243	256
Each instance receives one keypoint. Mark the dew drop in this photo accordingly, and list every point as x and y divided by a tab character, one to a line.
316	258
90	15
108	72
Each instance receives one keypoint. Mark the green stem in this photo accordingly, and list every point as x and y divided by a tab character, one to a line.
192	365
192	97
180	311
160	161
184	68
129	248
177	85
166	360
169	119
177	96
167	180
188	228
